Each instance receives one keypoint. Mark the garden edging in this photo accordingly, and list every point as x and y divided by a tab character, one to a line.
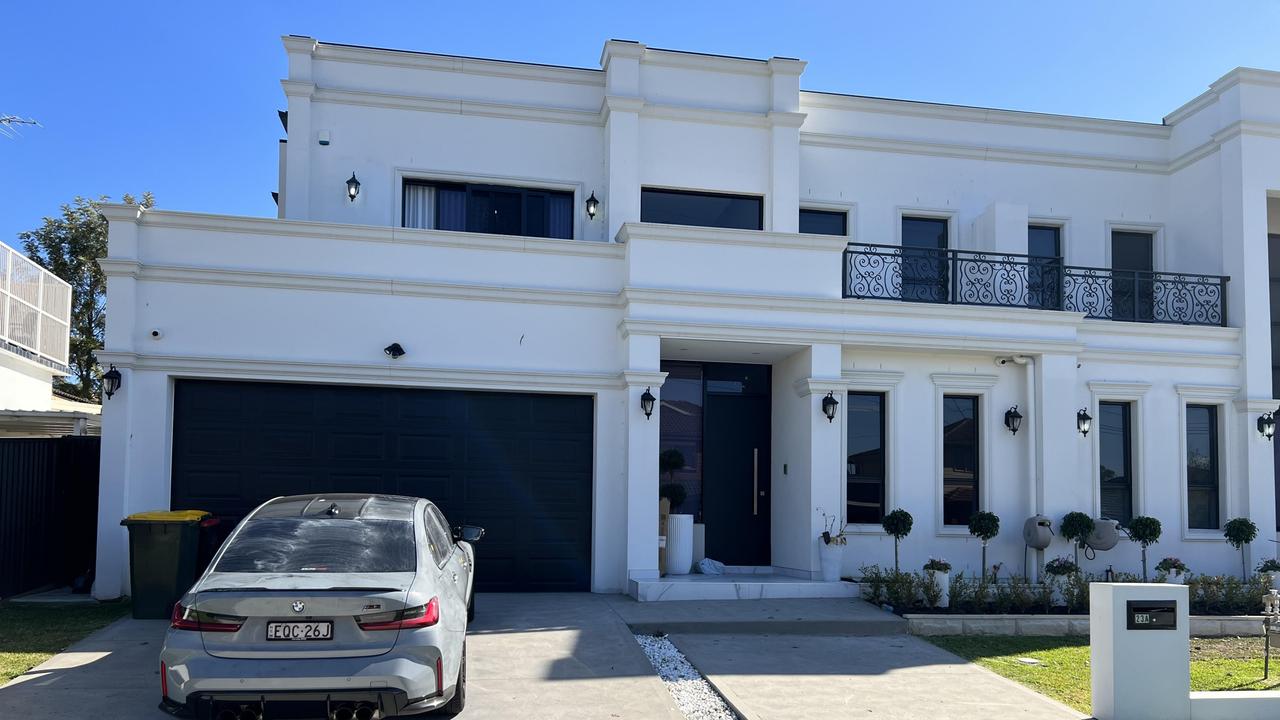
1061	625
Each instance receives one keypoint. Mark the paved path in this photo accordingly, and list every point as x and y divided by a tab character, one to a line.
887	677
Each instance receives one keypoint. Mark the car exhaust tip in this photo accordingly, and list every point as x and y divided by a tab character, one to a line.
364	712
344	712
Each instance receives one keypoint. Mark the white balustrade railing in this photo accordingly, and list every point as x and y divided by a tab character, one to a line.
35	310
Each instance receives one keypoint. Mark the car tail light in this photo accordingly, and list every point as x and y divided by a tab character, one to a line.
164	681
185	618
407	619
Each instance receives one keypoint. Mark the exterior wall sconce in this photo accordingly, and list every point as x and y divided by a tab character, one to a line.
1083	421
1013	419
111	383
353	187
829	405
593	206
646	403
1267	424
394	351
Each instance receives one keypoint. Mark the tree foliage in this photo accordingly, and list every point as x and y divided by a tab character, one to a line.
69	246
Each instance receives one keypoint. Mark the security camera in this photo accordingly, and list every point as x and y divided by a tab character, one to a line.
156	334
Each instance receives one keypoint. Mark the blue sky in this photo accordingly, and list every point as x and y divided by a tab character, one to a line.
179	98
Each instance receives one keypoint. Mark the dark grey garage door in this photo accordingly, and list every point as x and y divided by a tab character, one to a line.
517	464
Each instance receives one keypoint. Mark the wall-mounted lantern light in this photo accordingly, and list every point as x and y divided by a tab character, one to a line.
646	403
353	187
110	382
829	405
1013	419
1083	421
394	351
593	206
1267	424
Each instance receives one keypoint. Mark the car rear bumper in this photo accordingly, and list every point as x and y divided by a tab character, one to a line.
301	703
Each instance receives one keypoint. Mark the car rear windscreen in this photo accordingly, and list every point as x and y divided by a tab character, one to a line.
321	545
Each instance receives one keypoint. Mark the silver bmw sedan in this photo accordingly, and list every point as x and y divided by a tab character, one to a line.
342	607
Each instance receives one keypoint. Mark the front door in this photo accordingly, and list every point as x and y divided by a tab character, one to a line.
735	486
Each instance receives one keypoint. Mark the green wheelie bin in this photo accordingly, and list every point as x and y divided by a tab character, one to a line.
164	548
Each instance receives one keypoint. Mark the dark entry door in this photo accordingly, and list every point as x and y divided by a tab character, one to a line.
1132	285
517	464
735	485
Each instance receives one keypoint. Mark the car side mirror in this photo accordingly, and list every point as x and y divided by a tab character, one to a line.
467	533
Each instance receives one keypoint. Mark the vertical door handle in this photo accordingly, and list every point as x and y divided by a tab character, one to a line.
755	481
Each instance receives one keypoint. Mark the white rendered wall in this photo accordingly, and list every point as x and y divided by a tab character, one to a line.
24	385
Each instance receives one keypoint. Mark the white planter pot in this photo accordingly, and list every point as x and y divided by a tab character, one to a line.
831	557
943	579
699	542
1177	578
679	544
1275	580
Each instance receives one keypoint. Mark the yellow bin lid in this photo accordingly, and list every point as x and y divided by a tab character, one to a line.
168	516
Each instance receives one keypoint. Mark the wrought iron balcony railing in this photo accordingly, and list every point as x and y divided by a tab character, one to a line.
969	277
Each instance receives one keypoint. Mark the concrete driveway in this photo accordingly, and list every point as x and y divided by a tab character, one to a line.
529	656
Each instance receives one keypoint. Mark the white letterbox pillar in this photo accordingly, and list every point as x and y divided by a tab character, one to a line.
1140	651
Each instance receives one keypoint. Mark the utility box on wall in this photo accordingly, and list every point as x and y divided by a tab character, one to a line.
1140	651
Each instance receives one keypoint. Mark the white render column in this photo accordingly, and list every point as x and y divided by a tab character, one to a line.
1249	171
1002	227
642	474
298	89
121	267
1065	470
807	470
623	102
785	120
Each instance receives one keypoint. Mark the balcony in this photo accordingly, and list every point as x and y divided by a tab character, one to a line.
969	277
35	310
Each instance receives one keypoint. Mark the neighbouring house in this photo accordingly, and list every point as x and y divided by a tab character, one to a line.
35	332
480	267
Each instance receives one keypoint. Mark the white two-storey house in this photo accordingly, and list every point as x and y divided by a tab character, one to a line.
484	269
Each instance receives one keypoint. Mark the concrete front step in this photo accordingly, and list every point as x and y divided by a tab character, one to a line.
823	616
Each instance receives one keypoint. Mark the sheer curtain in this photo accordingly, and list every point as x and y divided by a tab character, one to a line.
419	206
560	216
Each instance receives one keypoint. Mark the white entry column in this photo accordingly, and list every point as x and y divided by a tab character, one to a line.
642	432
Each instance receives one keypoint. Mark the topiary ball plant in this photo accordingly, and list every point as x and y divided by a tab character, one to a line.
984	526
1240	532
674	492
1076	527
898	524
1145	531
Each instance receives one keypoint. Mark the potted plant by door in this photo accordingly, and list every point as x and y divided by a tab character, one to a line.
831	547
940	571
898	525
679	531
1271	568
1174	570
1056	571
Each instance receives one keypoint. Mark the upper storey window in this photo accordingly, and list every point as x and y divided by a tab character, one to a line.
683	207
824	222
498	209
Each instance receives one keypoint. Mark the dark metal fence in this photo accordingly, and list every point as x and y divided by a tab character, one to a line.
969	277
48	511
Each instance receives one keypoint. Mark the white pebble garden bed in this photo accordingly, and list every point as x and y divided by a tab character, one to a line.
693	694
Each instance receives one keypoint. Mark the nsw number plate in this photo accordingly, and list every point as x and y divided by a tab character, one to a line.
300	631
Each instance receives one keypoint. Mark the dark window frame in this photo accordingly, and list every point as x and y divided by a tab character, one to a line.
926	271
1127	440
825	212
976	399
884	459
758	199
1215	465
525	192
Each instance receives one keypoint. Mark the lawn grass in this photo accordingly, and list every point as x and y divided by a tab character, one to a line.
31	634
1063	670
